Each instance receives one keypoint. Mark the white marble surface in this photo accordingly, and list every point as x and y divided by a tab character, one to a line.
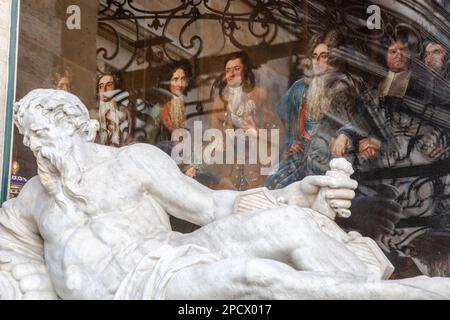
94	224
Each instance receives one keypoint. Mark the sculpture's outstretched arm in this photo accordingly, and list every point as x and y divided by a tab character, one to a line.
179	195
23	274
187	199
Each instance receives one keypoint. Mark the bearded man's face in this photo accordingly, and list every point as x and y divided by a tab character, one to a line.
320	59
105	84
45	138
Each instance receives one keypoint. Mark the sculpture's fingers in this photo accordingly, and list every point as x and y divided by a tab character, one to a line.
344	213
40	295
340	194
5	259
332	182
26	269
35	283
340	204
5	263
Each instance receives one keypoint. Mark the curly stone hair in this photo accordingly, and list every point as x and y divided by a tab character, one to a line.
59	107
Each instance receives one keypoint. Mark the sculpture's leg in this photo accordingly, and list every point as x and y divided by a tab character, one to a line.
242	278
285	234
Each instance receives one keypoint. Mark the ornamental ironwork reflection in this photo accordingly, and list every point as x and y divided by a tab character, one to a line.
148	39
262	22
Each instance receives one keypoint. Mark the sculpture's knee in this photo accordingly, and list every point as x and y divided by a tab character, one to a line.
260	277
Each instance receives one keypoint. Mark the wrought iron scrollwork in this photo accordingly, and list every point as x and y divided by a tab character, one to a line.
129	16
261	21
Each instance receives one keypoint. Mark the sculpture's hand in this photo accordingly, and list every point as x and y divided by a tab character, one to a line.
9	287
34	281
338	193
31	278
338	189
332	193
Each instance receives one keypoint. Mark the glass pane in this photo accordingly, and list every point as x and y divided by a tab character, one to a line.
246	94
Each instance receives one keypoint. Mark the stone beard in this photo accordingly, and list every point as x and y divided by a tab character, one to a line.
118	242
59	174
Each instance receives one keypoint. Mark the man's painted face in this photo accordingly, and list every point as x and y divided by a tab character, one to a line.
434	56
64	84
105	84
320	59
234	73
178	82
397	56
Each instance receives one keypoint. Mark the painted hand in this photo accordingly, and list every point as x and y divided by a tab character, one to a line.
369	148
248	125
295	147
340	145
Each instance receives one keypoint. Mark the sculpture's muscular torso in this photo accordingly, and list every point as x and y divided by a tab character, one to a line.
97	241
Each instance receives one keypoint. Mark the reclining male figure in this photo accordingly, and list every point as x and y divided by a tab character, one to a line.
94	224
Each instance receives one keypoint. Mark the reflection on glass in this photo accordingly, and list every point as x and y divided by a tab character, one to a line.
313	71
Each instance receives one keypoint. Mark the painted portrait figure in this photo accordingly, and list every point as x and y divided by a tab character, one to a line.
168	112
242	104
113	114
313	109
401	210
437	63
62	80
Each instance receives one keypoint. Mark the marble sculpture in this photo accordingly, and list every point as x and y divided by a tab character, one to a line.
94	224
